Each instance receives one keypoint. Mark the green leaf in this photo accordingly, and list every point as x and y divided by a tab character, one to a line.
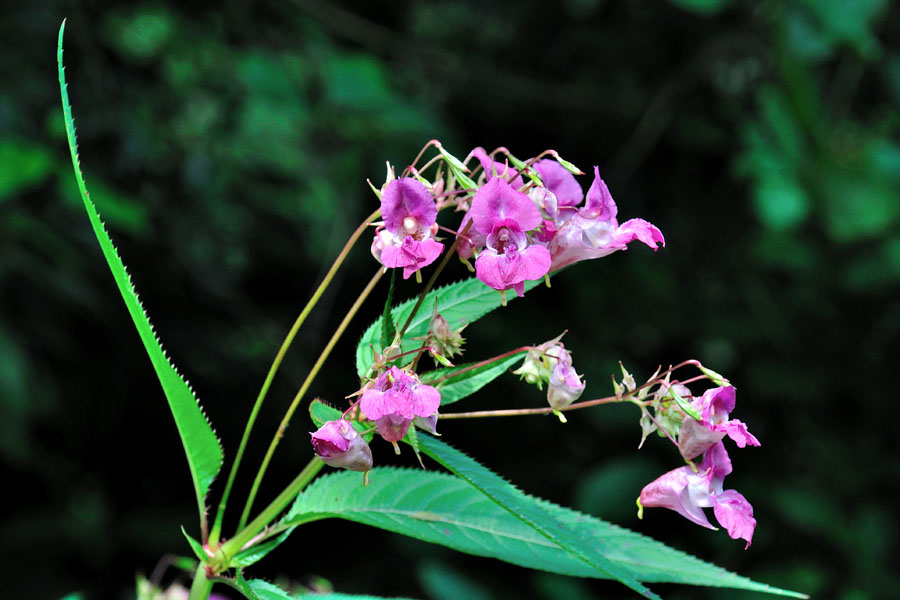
196	546
461	303
22	165
256	553
646	559
456	387
204	453
264	590
442	509
609	549
388	330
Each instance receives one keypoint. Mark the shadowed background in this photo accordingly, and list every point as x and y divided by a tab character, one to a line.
227	147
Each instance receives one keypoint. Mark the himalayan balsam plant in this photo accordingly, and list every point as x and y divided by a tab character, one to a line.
513	223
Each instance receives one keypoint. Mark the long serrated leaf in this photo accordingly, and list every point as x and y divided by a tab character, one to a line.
204	453
460	303
456	387
527	510
646	559
263	590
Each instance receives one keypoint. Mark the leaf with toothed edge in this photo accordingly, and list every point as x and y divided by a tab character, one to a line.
460	303
458	511
443	509
204	453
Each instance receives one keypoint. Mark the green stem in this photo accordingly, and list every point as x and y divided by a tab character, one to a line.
202	586
306	383
434	277
515	412
236	544
220	514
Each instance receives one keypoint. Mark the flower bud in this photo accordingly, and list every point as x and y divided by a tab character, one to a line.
338	444
565	386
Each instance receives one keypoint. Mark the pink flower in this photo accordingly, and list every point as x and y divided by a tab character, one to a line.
558	180
409	214
493	168
688	493
594	232
504	216
338	444
565	386
714	406
395	400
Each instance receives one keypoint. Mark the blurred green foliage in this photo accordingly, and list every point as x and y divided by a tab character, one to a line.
227	147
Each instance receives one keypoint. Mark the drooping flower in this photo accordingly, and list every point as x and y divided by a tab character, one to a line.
594	232
409	214
504	216
338	444
395	400
714	407
565	386
688	493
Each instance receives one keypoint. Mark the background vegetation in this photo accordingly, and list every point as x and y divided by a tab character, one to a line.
227	146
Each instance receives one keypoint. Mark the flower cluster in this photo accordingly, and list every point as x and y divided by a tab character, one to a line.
698	427
392	402
520	224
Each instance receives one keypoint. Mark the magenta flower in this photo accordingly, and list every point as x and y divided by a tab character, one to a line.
493	168
594	232
409	214
714	406
560	182
338	444
688	493
395	400
504	216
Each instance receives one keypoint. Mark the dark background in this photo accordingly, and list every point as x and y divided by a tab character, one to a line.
227	147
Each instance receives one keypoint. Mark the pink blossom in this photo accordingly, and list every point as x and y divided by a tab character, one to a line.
714	407
504	216
493	168
409	214
565	386
558	180
688	493
594	232
395	400
338	444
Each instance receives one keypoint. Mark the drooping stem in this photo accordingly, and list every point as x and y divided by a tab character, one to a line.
434	277
289	338
303	388
480	364
515	412
245	534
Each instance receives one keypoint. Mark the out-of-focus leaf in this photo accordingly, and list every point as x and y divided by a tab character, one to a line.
702	7
22	165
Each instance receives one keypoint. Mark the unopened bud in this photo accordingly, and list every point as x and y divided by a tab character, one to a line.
565	386
338	444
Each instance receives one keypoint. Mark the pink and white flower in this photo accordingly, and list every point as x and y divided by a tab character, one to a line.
395	400
409	214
